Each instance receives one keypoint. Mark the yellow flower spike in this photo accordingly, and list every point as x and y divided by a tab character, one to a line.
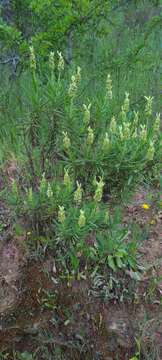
90	137
143	132
32	58
126	103
52	60
113	125
106	142
78	193
72	87
49	191
121	134
99	191
82	219
157	123
75	80
150	152
61	214
123	114
126	130
136	118
87	114
109	86
145	206
61	62
67	181
148	107
78	74
66	141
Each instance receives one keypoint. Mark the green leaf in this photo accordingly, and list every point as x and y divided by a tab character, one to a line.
111	262
119	262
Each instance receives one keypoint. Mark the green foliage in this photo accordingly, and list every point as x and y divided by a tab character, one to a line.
123	38
91	138
81	227
72	152
9	35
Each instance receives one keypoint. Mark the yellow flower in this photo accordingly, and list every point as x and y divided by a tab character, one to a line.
78	74
151	151
67	181
75	80
126	103
49	191
29	233
32	58
113	125
143	133
148	107
61	62
152	222
109	86
87	114
99	191
157	123
78	193
106	142
82	219
66	141
90	137
145	206
126	130
123	114
43	184
61	214
136	118
72	87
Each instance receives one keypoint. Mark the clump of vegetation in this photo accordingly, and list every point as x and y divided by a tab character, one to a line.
58	130
71	153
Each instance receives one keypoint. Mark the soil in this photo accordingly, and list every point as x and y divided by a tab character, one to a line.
43	313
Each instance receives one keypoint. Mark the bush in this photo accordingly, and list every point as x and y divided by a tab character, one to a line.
57	127
71	150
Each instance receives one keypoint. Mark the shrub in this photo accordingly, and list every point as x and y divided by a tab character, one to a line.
58	127
71	149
